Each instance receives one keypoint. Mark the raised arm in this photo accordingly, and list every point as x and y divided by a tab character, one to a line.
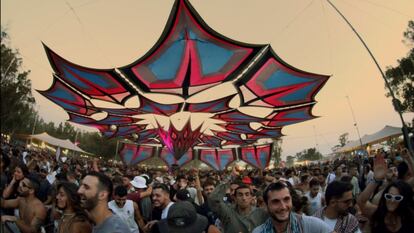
380	169
146	193
198	187
9	188
216	203
95	166
405	154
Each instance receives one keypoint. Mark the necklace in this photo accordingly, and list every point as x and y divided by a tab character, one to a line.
63	218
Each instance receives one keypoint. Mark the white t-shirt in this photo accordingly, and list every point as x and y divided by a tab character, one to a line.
164	213
332	222
310	225
331	177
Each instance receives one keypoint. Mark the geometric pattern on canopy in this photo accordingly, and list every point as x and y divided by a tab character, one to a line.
257	156
101	84
132	154
192	70
189	53
64	96
218	159
168	157
291	116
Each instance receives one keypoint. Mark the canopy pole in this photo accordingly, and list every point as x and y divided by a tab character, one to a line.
396	103
355	123
116	150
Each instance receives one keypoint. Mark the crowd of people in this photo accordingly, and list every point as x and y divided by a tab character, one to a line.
43	193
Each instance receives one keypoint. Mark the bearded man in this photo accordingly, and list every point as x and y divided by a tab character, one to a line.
31	209
282	219
95	191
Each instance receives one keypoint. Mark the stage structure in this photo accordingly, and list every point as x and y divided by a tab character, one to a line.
194	91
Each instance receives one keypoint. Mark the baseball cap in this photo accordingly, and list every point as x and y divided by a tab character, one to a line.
183	218
183	195
139	182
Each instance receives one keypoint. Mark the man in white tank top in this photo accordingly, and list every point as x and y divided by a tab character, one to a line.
315	197
127	210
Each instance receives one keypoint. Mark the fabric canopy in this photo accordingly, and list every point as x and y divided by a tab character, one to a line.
384	134
57	142
194	88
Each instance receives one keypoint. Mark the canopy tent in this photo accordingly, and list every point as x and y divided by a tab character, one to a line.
384	134
67	144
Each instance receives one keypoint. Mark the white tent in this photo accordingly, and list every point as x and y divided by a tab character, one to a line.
384	134
57	142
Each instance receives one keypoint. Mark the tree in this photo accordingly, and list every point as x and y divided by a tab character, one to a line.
401	77
343	140
97	144
290	161
309	154
16	97
277	151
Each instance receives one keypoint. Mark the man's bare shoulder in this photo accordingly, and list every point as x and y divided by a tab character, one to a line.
39	208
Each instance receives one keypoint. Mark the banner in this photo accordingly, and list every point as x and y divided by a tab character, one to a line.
257	156
170	159
132	154
218	159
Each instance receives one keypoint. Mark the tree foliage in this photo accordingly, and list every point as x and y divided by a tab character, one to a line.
17	107
277	151
309	154
401	77
16	95
290	160
343	139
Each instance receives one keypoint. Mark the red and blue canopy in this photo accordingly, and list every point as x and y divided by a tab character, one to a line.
195	87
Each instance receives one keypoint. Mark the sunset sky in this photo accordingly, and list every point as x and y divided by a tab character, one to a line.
306	34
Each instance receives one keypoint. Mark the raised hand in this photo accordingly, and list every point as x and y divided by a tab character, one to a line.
380	167
405	155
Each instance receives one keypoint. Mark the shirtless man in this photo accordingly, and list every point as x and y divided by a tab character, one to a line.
32	211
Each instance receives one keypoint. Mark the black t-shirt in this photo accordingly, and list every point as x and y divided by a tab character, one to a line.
44	190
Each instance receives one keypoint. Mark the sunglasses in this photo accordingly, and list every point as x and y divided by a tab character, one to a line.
26	186
391	197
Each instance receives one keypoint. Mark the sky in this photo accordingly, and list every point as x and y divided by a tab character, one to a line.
307	34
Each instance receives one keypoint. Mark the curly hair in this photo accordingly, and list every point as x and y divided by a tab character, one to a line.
71	190
405	209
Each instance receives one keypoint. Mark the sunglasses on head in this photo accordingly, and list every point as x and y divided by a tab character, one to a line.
391	197
26	186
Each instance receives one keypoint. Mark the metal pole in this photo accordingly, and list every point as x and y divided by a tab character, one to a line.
355	123
396	103
116	152
316	138
33	129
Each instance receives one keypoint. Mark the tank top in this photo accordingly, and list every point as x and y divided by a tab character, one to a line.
126	213
315	203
